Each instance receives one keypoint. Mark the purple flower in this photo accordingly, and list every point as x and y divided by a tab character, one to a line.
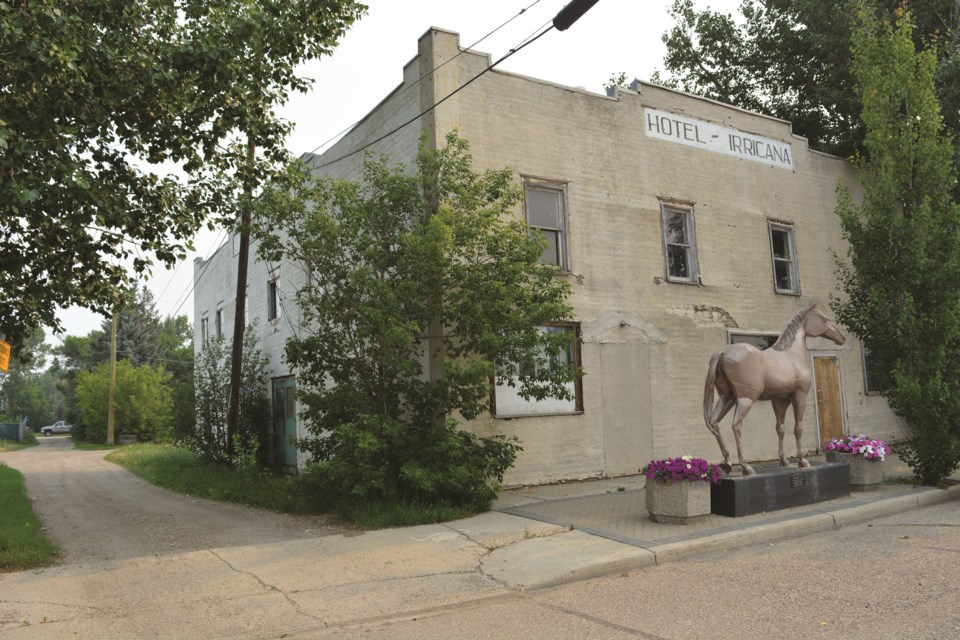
685	468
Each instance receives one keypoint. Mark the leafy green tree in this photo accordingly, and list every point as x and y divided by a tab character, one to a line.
791	59
27	390
212	384
176	338
142	402
405	269
903	295
95	94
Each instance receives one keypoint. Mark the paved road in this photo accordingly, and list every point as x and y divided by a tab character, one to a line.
96	510
894	578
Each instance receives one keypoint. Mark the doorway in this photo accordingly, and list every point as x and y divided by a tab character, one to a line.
826	378
285	422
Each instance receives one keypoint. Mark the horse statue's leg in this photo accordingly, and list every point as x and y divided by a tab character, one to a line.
780	410
721	409
743	407
799	405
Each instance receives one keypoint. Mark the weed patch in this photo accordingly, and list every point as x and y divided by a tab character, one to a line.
22	546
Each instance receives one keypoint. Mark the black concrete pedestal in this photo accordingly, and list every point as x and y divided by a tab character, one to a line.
776	487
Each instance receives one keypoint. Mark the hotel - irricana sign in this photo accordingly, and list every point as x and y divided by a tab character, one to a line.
664	125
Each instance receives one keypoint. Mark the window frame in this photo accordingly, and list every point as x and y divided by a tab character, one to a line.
690	228
576	360
788	229
870	387
204	328
731	334
274	308
218	322
560	188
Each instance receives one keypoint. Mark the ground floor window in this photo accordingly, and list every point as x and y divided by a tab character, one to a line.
507	401
759	340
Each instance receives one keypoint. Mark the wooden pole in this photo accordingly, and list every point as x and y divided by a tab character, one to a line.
111	437
233	404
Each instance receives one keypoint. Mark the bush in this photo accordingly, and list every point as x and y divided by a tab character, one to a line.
377	458
212	393
142	402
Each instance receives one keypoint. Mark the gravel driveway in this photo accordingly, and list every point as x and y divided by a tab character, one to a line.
96	510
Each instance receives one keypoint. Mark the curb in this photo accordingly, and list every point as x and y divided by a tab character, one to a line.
580	555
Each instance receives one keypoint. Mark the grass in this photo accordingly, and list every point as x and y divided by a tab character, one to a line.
22	546
180	470
380	514
29	440
83	445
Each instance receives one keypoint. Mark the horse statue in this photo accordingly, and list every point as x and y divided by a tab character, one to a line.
743	374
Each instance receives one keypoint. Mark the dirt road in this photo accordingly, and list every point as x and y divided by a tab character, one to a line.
95	510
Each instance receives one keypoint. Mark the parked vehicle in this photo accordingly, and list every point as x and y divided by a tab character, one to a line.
57	427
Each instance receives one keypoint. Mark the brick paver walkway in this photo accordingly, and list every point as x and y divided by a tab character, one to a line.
622	515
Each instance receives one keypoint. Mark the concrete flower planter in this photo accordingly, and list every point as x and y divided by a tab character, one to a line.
865	474
684	502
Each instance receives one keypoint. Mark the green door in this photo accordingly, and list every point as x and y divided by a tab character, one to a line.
285	422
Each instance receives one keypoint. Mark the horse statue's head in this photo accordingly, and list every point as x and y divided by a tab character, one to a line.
817	325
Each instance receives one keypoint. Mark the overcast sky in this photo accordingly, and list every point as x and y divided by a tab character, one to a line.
614	36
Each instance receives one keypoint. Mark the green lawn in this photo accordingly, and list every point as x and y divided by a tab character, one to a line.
91	446
180	470
22	546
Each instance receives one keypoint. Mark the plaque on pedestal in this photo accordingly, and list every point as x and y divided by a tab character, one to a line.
776	487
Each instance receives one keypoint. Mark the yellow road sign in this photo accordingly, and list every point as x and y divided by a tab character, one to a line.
4	355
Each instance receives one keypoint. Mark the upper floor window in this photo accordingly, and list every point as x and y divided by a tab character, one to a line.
273	300
204	328
784	254
544	207
219	323
679	244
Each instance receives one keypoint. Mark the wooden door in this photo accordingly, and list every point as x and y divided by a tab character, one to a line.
826	378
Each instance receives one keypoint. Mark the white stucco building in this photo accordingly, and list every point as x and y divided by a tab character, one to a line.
682	224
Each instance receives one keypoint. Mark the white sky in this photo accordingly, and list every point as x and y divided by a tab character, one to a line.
613	36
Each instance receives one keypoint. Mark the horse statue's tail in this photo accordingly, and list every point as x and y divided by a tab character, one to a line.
708	393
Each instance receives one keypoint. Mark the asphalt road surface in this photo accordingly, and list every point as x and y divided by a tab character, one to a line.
95	510
896	578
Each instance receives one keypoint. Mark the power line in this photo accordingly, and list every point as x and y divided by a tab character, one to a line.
526	42
432	71
203	270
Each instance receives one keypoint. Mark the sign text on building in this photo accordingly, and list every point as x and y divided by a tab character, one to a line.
664	125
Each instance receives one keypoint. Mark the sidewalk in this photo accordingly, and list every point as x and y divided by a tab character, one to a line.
535	537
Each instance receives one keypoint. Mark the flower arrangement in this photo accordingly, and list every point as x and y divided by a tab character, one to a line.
684	468
859	445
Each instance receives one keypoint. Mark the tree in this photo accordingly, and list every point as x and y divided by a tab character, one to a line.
27	390
421	287
903	296
791	59
212	383
143	402
140	336
96	94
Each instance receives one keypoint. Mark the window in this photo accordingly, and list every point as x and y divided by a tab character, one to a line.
219	323
873	377
679	244
544	206
783	251
273	300
204	328
759	340
507	401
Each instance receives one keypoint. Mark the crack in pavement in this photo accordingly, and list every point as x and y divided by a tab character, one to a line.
293	603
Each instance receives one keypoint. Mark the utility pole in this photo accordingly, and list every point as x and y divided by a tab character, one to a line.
111	437
233	405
